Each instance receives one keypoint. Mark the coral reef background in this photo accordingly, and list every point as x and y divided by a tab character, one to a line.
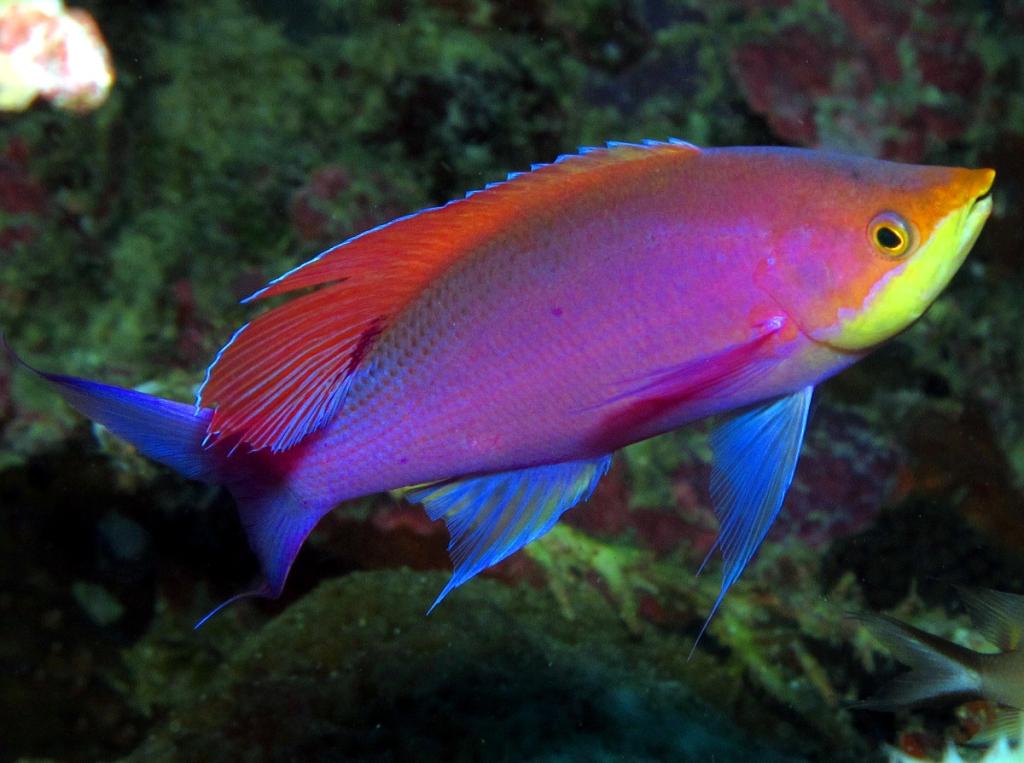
243	137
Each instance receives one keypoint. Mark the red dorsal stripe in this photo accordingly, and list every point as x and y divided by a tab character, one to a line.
286	373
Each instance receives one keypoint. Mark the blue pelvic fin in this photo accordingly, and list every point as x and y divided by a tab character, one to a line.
491	517
754	458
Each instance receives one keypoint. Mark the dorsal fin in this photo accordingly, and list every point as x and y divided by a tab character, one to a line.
286	373
997	614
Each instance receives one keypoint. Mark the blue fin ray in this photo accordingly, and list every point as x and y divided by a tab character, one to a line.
166	431
491	517
754	459
277	522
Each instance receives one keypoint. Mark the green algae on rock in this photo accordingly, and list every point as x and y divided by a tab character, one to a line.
354	671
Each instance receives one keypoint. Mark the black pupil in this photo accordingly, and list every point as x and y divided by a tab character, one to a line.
888	238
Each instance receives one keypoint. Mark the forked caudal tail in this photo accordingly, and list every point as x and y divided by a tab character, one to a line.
276	518
939	668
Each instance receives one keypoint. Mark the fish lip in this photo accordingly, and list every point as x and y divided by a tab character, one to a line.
982	200
975	217
984	189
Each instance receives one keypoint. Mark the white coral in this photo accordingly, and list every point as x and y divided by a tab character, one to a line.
1001	751
49	51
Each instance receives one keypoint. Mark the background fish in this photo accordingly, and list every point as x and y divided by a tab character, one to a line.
942	668
496	351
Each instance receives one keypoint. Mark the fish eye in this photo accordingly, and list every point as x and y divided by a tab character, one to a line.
890	234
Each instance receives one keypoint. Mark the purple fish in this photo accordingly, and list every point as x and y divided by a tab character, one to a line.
495	352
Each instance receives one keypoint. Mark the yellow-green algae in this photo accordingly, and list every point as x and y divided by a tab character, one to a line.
355	671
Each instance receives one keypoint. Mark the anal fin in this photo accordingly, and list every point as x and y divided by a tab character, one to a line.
492	516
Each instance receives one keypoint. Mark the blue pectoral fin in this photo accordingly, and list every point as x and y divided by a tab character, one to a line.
706	376
492	516
754	458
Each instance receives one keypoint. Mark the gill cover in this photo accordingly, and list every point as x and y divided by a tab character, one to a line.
856	265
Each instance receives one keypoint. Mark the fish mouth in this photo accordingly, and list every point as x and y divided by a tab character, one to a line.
983	197
976	215
988	177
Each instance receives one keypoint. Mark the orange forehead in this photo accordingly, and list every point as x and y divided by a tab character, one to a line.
820	207
791	180
950	189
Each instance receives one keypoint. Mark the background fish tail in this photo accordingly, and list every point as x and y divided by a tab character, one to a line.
939	668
